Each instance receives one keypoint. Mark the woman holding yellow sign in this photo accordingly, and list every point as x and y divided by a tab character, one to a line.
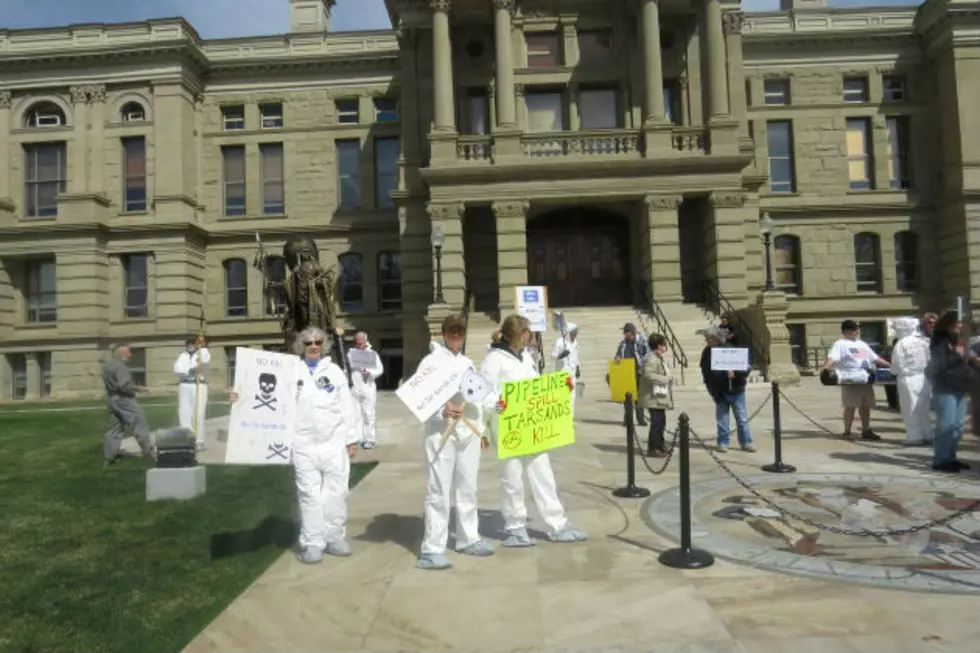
509	361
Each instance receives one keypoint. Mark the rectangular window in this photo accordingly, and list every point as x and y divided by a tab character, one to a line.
348	111
385	110
860	161
595	47
44	366
233	157
42	291
45	178
782	174
598	109
18	376
233	117
134	174
349	173
875	334
273	179
271	115
545	112
672	101
797	344
893	88
543	50
385	171
390	281
776	91
135	285
476	112
898	152
867	262
351	284
855	90
231	355
137	366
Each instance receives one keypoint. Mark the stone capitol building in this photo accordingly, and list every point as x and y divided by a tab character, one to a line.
620	153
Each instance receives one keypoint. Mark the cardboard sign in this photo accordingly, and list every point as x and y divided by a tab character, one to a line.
532	302
362	359
538	416
436	382
263	420
622	379
730	359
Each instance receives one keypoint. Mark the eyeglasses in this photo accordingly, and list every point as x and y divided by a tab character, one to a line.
318	343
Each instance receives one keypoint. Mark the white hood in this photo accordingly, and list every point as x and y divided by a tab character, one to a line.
572	327
905	327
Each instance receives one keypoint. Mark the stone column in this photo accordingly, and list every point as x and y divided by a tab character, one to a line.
96	140
652	64
442	67
664	243
717	69
175	181
774	308
504	80
409	106
449	218
728	227
82	202
511	220
6	200
78	146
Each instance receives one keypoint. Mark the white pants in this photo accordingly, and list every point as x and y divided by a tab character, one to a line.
185	407
367	401
322	478
914	399
574	392
457	464
543	488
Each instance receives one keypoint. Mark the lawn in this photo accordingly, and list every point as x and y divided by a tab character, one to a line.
87	565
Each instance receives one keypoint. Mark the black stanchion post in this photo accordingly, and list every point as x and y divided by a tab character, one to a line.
778	466
631	491
686	557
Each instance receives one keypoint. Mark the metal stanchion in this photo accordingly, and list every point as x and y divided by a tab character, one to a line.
631	491
686	557
778	466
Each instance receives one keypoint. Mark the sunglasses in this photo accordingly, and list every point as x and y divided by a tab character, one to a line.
309	343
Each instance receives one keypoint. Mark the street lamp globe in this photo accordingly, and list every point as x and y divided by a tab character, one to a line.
438	238
765	224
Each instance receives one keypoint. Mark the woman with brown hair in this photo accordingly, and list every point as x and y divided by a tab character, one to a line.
509	361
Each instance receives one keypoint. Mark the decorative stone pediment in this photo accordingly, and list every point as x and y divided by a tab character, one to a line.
728	200
450	211
662	202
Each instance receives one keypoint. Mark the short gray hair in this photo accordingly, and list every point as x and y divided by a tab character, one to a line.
715	333
311	333
116	348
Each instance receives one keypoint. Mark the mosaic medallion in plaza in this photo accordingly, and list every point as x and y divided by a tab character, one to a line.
732	524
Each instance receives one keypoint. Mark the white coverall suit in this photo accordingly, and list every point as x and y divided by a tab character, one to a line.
502	365
568	363
366	396
457	464
186	367
910	357
325	425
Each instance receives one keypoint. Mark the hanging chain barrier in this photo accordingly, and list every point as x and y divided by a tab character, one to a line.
870	444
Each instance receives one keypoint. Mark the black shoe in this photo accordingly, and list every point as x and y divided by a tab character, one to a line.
869	435
949	468
961	465
106	464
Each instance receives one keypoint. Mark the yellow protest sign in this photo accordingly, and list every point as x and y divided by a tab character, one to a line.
538	416
622	379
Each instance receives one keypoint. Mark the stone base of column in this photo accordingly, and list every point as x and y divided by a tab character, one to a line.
443	147
657	141
724	135
507	146
83	207
774	308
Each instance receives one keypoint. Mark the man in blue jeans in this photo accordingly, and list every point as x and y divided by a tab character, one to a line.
728	391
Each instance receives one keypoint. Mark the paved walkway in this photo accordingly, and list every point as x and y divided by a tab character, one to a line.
606	594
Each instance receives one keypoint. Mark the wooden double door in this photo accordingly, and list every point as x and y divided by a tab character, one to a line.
581	264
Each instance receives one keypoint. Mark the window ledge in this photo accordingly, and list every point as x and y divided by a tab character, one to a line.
132	320
260	216
794	193
38	325
127	214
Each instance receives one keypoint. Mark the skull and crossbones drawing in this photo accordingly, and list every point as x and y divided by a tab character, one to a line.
267	388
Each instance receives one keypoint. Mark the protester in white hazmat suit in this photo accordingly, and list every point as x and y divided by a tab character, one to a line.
453	458
910	358
192	390
509	361
325	440
365	389
565	355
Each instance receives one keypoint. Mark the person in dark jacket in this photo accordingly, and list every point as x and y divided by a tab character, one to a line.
728	391
635	348
951	369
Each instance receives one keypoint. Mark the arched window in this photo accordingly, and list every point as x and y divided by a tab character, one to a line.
867	262
786	260
390	281
132	112
907	261
275	289
351	282
236	287
45	114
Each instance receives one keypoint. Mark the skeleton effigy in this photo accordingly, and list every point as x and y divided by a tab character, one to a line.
308	290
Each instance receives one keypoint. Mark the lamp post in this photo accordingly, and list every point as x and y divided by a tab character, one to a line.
765	228
438	239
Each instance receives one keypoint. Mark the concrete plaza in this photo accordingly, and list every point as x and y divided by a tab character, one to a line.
609	593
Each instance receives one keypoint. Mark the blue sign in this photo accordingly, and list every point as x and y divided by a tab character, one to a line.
531	296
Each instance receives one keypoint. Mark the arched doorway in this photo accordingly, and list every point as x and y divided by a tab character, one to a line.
582	255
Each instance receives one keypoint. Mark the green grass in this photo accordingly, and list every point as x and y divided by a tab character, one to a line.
87	565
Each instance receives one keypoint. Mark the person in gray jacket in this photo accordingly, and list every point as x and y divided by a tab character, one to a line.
120	391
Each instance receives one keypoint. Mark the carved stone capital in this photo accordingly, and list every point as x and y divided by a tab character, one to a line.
5	99
682	79
728	200
662	202
492	89
96	93
731	22
504	4
519	90
79	95
87	94
439	5
448	211
516	209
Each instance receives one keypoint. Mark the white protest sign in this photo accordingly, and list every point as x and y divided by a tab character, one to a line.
473	388
729	359
436	382
362	358
532	303
263	420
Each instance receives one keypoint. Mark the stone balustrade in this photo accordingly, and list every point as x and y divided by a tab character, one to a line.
474	148
600	143
690	139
